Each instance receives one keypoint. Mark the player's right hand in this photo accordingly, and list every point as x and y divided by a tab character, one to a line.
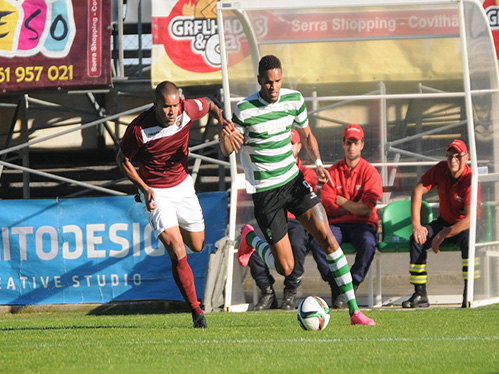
323	176
150	199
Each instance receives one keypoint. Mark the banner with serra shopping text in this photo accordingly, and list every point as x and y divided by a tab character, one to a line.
186	45
54	45
93	250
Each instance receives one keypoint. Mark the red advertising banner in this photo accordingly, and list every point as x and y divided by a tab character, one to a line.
492	10
186	44
388	24
347	26
54	45
187	49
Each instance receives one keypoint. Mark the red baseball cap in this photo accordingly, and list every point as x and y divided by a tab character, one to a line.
458	145
295	137
353	131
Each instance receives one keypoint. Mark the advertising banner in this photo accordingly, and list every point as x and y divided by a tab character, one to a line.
186	44
358	25
186	47
492	11
54	44
93	250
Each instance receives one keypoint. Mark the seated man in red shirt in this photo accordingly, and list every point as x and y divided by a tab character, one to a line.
350	204
453	181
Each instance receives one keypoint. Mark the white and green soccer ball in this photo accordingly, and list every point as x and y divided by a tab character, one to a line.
313	314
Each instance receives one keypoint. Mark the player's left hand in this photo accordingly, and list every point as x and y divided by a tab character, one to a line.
227	127
236	139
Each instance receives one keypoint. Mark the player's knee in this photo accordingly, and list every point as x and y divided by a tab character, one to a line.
285	269
197	246
195	242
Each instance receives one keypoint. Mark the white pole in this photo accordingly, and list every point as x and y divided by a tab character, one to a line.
472	151
233	167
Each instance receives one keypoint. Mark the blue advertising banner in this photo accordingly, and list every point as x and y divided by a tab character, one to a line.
93	250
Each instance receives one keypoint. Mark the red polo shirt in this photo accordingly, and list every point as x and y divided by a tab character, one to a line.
453	197
362	183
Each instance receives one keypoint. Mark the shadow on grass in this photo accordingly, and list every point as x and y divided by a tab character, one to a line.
140	307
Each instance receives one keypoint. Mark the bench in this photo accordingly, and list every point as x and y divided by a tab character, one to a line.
395	237
396	232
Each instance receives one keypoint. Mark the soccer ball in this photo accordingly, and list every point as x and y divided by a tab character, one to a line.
313	314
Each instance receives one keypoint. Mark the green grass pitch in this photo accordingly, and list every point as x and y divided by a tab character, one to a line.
435	340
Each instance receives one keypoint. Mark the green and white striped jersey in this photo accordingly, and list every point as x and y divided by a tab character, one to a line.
267	154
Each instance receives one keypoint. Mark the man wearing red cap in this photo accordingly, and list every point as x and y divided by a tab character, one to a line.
350	203
453	181
299	239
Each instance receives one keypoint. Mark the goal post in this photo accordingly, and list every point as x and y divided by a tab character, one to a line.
413	74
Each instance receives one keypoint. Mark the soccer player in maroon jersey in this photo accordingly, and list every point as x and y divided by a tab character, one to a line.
158	139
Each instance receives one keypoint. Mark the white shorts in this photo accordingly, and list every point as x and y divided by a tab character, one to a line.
176	206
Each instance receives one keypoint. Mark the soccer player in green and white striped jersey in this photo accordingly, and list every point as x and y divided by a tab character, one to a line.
262	130
267	155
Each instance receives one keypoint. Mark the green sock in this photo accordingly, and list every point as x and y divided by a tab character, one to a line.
341	273
262	248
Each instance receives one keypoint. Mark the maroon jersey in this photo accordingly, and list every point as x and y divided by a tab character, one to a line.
162	151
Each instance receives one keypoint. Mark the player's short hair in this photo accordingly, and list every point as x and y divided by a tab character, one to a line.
165	88
268	62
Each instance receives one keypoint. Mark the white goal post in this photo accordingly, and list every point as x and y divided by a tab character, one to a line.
413	74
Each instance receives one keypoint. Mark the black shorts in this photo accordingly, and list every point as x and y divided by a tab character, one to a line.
271	206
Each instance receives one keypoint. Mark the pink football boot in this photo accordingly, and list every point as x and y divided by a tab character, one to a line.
244	251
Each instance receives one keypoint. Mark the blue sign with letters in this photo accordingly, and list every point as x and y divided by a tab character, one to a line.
93	250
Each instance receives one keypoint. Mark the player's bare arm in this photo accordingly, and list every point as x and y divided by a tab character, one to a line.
312	147
131	173
227	126
218	113
230	139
